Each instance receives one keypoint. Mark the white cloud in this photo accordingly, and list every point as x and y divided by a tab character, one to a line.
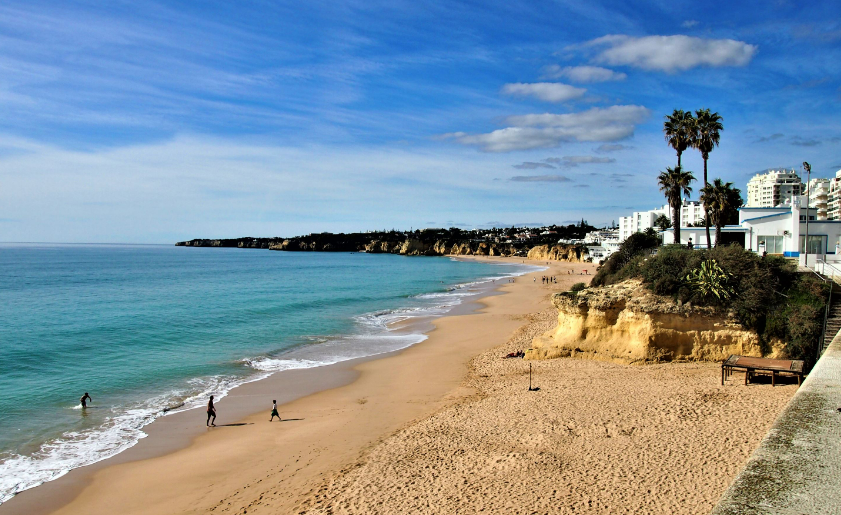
584	74
670	53
689	24
595	118
546	91
550	130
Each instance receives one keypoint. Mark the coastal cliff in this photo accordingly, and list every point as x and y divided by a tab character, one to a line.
408	246
569	253
626	322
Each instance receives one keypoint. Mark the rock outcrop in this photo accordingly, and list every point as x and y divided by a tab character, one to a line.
570	253
626	322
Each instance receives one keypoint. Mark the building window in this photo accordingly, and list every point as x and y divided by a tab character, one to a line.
817	244
771	244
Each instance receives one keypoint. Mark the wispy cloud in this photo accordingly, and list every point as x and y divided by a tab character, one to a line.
772	137
577	160
540	178
546	91
528	165
669	53
688	24
583	74
611	147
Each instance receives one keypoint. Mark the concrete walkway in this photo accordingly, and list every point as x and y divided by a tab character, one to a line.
797	467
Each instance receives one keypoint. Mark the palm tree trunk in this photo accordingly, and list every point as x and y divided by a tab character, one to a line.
678	159
707	214
717	233
676	221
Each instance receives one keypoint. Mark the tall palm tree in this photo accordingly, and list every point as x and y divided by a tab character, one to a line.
707	134
721	200
679	129
674	183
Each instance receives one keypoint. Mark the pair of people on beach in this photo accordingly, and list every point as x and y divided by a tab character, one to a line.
211	413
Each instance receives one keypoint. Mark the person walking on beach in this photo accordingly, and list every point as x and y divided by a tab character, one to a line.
84	400
211	412
274	412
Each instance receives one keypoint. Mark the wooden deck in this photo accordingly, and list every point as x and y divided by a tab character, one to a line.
753	365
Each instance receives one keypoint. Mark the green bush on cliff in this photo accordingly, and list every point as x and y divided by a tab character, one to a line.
620	265
765	294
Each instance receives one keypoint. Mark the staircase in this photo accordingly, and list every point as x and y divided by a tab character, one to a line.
833	324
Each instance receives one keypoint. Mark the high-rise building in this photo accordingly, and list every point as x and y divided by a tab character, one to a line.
833	198
818	192
773	188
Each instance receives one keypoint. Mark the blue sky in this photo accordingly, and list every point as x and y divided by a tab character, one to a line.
154	122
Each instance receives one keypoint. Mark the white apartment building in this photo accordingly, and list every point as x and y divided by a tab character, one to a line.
818	192
833	198
773	188
691	213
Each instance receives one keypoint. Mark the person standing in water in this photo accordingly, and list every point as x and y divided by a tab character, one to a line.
274	412
211	412
84	400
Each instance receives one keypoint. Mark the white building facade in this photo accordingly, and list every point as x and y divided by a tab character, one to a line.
773	188
691	213
833	198
818	192
776	230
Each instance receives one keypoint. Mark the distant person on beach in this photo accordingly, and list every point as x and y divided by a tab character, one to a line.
84	400
274	412
211	412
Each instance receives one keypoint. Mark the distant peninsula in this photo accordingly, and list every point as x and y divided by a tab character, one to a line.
548	242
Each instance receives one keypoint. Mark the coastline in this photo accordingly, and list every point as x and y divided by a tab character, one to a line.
181	431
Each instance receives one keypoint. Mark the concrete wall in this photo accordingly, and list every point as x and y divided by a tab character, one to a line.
797	467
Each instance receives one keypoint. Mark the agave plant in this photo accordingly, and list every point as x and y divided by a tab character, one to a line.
710	280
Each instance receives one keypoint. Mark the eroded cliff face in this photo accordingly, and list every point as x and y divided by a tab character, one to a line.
625	322
570	253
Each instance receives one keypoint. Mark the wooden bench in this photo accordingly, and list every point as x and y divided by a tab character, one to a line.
753	365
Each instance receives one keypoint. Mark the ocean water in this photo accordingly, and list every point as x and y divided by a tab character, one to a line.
152	330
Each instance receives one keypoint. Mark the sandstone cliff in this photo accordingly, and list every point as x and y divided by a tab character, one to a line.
570	253
625	322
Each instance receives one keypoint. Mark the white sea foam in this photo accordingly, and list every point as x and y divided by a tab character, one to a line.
120	431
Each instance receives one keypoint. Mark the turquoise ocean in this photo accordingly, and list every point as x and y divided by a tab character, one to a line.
151	330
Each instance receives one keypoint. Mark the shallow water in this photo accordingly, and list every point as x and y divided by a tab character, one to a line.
149	330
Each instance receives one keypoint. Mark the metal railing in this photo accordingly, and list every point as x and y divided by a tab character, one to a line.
831	280
822	341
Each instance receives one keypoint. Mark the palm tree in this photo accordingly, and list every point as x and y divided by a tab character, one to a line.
721	201
674	183
707	134
679	129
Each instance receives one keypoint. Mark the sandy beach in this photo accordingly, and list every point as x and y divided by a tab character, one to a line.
446	426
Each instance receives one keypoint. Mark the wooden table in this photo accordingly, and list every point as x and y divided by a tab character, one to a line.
764	365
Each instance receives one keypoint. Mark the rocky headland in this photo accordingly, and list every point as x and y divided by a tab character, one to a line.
627	323
385	243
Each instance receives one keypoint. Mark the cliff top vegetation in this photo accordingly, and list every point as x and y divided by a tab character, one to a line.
765	294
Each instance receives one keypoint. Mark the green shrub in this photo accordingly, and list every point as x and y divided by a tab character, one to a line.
765	294
578	287
612	270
